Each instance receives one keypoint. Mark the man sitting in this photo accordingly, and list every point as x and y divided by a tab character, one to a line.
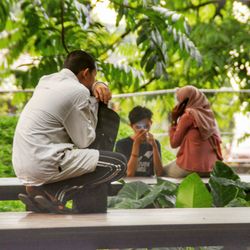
51	154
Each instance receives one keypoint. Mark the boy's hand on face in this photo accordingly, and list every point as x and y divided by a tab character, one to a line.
151	139
101	92
140	136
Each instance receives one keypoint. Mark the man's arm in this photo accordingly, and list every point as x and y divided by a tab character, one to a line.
81	122
101	92
82	119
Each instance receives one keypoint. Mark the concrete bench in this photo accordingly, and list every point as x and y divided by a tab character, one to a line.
11	187
229	227
241	166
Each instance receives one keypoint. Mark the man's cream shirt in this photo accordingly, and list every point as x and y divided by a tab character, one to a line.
54	130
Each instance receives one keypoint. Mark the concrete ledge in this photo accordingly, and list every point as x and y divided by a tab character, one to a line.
228	227
11	187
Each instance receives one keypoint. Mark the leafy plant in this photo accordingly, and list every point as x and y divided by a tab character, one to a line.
192	192
7	128
238	202
140	195
226	187
226	190
12	206
48	30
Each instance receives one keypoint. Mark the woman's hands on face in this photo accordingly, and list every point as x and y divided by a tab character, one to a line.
178	111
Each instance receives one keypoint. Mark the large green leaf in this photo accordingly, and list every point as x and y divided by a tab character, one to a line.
238	202
168	187
140	195
223	194
167	196
225	185
165	201
229	182
128	204
165	191
222	170
133	190
192	192
113	200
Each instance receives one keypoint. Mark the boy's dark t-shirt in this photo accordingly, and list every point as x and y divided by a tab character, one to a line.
145	160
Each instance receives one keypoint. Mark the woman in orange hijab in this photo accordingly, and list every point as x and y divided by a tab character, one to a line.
195	131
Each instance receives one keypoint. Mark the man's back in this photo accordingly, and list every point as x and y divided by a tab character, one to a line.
56	118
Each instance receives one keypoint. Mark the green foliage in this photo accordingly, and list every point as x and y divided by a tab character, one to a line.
7	128
140	195
151	46
152	41
5	7
238	202
223	171
133	190
49	29
192	192
12	206
226	187
124	131
219	38
226	190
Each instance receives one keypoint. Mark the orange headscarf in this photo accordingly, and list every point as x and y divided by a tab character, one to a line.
199	107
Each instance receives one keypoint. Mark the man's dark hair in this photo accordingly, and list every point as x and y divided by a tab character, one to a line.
78	60
139	113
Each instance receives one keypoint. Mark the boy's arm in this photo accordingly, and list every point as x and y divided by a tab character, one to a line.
157	162
131	155
133	160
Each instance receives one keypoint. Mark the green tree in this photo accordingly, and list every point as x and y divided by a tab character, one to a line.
150	38
47	30
152	42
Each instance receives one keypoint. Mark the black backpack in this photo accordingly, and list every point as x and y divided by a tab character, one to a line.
106	129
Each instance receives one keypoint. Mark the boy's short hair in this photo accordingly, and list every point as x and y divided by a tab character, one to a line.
78	60
139	113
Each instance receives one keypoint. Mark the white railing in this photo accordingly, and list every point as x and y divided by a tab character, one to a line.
146	93
153	93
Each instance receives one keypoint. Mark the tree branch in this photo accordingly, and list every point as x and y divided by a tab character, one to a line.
197	6
124	5
62	26
111	46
